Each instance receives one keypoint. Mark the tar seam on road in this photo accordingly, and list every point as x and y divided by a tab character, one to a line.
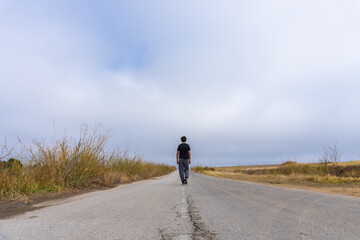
188	212
199	228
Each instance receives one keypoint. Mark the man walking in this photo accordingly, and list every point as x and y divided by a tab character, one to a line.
183	159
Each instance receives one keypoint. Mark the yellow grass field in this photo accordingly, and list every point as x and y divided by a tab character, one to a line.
338	178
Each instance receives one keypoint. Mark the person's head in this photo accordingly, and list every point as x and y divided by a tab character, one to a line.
183	139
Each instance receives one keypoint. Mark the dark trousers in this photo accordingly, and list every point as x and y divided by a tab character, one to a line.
183	168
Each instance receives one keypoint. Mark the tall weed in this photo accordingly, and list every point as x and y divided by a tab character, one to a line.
74	163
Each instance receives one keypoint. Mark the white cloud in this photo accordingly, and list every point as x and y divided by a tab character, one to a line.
260	80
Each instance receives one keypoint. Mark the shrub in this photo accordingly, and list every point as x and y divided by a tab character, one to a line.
331	154
12	162
201	169
288	163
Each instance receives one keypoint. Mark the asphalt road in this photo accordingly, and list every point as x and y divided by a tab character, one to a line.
206	208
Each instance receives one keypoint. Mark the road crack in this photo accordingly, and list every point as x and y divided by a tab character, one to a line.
165	236
199	230
188	223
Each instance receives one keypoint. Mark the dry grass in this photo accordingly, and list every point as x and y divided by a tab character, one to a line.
248	167
341	178
73	163
349	163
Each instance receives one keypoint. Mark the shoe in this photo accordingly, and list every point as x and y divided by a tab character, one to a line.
185	181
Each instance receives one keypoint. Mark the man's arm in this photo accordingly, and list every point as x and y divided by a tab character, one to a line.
177	157
189	157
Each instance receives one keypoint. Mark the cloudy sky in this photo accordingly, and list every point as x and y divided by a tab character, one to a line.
248	82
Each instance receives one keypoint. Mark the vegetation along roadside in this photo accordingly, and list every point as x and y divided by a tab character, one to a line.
69	165
331	177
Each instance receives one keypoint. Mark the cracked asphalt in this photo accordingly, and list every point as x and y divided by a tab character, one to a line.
206	208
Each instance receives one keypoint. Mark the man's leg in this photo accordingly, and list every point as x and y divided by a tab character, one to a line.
181	169
186	166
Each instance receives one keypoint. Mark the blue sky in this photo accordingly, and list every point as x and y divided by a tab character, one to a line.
249	82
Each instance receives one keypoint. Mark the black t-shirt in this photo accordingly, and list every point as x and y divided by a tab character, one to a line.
184	150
